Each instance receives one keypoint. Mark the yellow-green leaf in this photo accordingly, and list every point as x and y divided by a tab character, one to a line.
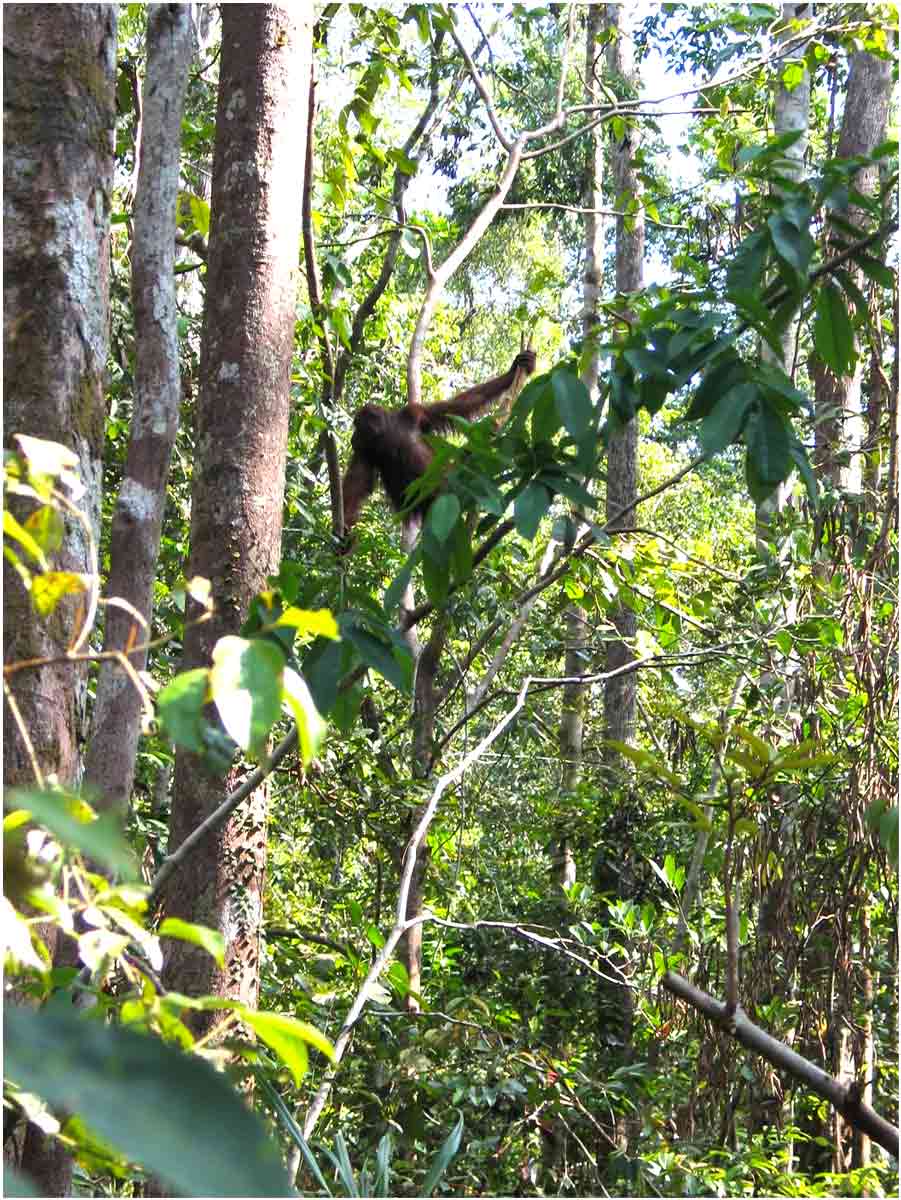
317	622
210	940
310	726
289	1039
48	589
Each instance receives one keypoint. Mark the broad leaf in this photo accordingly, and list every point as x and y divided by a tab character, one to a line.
443	516
246	685
207	939
172	1114
724	422
833	335
180	705
310	725
529	507
573	402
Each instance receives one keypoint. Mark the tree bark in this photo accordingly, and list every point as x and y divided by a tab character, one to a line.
839	425
59	104
622	454
138	517
59	137
241	440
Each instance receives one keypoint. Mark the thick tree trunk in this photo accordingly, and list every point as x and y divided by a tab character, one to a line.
59	111
138	518
241	439
59	105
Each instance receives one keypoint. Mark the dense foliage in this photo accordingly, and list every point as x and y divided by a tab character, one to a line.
754	809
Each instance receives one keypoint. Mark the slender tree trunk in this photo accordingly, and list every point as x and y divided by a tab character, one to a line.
791	114
241	439
59	111
622	455
138	517
839	426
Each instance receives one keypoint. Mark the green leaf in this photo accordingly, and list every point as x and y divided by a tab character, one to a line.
12	528
545	417
853	292
802	462
48	589
443	1158
180	705
769	436
436	577
395	591
717	380
318	622
745	270
724	422
379	656
340	322
573	402
246	685
443	516
172	1114
833	335
207	939
876	270
100	838
461	552
529	507
790	245
310	725
289	1039
648	363
294	1131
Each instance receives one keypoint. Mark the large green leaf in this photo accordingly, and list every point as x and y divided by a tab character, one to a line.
833	334
443	1158
246	684
529	507
310	725
179	707
380	656
573	402
723	423
717	380
172	1114
769	460
443	516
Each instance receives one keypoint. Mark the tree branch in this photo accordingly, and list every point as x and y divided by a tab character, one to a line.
845	1098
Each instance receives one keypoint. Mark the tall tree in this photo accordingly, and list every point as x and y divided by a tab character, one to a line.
839	426
59	111
138	518
622	454
59	105
241	430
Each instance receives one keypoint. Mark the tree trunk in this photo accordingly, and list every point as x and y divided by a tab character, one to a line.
839	426
138	517
791	114
241	439
59	104
59	107
622	454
